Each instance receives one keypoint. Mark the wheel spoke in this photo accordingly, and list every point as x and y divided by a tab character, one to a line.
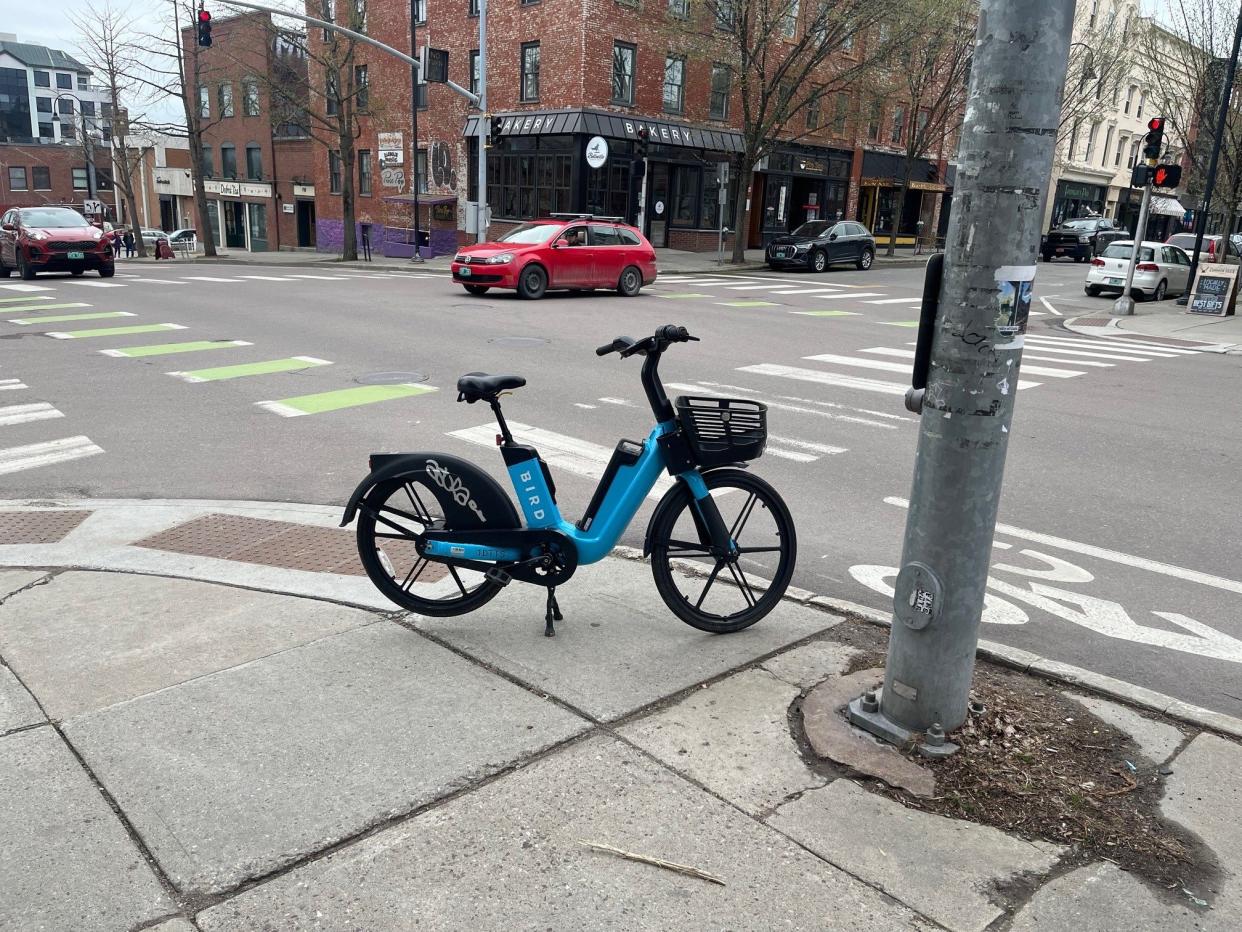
414	573
743	516
376	516
759	549
457	579
417	501
685	547
405	514
710	579
740	578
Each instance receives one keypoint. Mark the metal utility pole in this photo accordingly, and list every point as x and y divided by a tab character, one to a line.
1005	160
414	82
481	212
1124	306
1210	185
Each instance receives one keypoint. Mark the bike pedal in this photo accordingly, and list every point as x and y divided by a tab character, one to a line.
498	576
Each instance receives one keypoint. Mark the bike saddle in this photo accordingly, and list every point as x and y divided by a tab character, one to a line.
474	386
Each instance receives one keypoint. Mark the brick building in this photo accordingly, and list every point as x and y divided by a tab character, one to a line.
257	166
34	175
560	74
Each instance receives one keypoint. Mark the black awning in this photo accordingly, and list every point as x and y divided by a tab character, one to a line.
612	126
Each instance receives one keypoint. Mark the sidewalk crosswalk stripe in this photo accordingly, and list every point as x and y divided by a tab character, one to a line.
268	278
20	414
1147	344
1069	362
893	301
841	381
90	284
827	313
167	349
26	287
43	307
864	294
322	278
322	402
12	384
794	455
718	390
580	457
61	318
1029	370
23	297
207	278
220	373
33	455
746	304
826	449
881	364
1102	344
823	292
750	287
111	331
160	281
1116	355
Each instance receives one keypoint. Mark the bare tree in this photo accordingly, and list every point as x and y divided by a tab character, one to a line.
931	83
1101	61
108	44
785	57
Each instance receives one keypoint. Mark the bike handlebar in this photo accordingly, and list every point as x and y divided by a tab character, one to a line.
658	342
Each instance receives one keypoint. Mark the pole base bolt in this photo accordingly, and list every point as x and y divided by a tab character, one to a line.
976	707
934	735
870	702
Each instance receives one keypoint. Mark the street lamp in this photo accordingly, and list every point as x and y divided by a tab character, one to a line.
91	190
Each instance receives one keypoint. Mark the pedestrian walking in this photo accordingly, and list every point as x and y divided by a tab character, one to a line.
128	240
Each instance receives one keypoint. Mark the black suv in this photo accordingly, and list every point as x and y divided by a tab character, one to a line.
818	244
1083	239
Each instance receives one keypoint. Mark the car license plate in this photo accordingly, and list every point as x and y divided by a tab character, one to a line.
77	255
1115	281
782	253
464	271
1060	250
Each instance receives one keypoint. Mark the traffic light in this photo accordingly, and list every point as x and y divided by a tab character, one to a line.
644	138
1153	142
204	29
494	138
1166	176
1140	174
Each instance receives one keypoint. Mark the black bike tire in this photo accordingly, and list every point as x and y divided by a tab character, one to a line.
375	497
662	571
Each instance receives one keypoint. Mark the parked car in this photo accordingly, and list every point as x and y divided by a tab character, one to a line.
818	244
52	239
555	254
1209	249
1161	270
151	237
1082	239
184	235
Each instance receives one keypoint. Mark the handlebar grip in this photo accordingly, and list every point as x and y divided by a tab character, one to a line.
672	333
605	349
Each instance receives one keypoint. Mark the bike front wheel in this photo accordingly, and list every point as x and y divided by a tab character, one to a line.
722	595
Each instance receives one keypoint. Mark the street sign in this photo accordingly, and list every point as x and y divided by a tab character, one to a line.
597	152
722	174
92	207
1215	290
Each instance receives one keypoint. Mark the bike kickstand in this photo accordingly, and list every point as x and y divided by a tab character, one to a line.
552	613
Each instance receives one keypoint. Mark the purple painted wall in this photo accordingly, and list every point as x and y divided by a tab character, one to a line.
330	235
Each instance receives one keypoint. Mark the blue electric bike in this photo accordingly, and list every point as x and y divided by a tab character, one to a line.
438	536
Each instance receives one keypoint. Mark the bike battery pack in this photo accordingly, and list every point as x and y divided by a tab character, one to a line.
627	453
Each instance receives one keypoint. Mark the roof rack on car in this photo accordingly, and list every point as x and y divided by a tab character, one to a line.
567	216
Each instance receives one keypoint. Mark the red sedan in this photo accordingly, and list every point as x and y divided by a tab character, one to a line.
52	239
577	254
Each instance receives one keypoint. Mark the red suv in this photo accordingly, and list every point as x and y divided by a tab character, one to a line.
52	239
576	254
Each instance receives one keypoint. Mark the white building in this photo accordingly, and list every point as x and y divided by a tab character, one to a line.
38	83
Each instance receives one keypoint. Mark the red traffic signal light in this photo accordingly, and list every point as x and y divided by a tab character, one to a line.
1156	124
204	29
204	16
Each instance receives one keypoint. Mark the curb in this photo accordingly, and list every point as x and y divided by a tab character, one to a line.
1114	326
1015	658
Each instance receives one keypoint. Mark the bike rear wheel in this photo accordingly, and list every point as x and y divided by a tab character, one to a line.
725	595
393	517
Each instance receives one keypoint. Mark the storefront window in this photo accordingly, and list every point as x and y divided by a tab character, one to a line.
257	218
608	189
687	180
213	215
529	182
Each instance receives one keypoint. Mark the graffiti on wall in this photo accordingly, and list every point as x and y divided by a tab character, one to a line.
442	166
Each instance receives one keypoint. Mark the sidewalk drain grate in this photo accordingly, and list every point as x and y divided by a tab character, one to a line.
38	527
1093	321
281	544
391	378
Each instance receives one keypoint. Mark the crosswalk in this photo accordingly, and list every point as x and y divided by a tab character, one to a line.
45	452
178	278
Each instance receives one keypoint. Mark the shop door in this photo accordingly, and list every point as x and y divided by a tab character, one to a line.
168	217
234	224
776	207
306	223
657	204
808	202
257	216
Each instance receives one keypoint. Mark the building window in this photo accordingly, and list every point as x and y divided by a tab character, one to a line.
208	167
420	12
1091	134
813	114
360	16
42	177
421	96
840	114
720	92
1134	147
873	121
83	83
228	161
88	108
899	126
331	94
64	106
474	71
334	171
68	130
254	162
1073	140
533	183
364	172
420	171
328	12
1130	96
64	82
204	102
46	131
43	79
623	55
725	14
472	7
43	104
79	179
847	42
674	84
530	71
789	19
250	97
224	97
1141	104
362	90
17	179
1108	142
679	8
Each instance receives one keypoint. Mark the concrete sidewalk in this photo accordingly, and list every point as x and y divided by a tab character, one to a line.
1169	322
208	720
669	261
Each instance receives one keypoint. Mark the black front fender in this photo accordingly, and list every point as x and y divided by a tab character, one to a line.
673	499
468	495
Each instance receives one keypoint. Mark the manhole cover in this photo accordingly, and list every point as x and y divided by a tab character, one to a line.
390	378
518	342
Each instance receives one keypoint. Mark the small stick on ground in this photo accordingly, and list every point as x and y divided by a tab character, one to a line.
645	859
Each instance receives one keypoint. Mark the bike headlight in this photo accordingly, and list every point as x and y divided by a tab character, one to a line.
1084	239
500	259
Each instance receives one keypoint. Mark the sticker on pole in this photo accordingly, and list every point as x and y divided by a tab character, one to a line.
1013	304
917	595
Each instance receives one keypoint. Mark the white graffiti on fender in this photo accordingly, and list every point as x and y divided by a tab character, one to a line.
1111	619
996	611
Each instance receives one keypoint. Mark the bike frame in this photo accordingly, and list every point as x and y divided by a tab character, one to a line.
625	494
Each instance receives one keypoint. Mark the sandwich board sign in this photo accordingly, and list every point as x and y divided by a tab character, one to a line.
1215	290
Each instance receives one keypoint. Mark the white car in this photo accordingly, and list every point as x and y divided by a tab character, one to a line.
151	237
1162	270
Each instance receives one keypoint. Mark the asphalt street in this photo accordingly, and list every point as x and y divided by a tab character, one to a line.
1119	545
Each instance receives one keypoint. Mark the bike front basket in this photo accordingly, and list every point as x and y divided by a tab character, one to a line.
723	430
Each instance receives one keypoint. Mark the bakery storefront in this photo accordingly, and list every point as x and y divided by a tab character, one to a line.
542	167
796	184
238	213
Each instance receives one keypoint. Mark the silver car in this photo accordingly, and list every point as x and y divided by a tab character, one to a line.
1162	270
